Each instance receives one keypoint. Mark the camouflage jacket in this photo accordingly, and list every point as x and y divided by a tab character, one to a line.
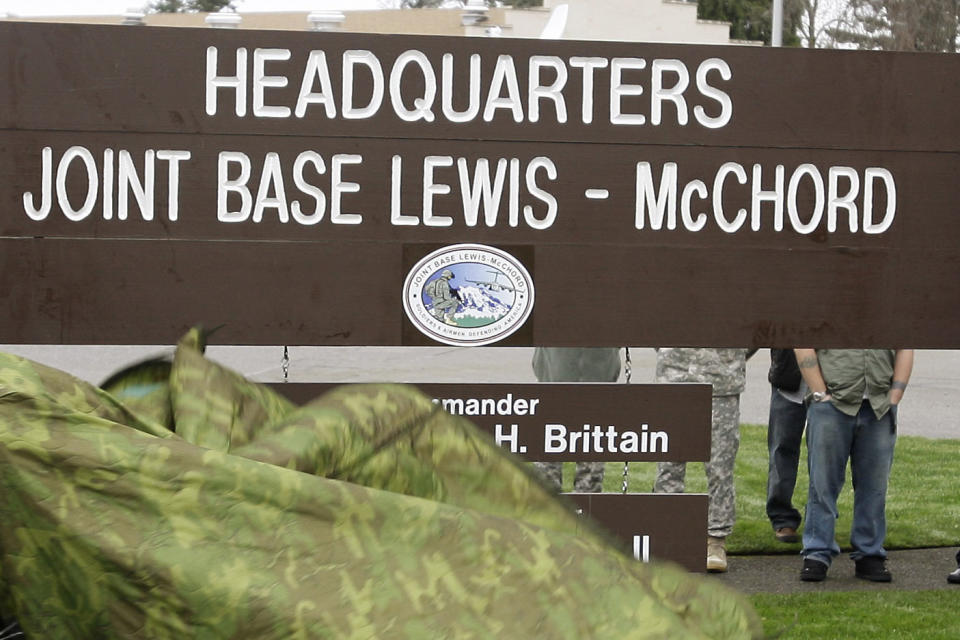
725	369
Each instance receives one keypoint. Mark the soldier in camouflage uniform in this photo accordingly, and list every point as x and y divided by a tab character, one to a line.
568	364
444	301
725	369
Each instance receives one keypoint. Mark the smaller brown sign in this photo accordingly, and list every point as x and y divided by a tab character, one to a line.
559	422
656	526
596	421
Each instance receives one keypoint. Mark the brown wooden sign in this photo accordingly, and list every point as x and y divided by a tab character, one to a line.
655	527
569	422
294	186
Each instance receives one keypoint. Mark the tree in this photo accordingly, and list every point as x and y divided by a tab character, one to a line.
818	19
188	6
900	25
752	19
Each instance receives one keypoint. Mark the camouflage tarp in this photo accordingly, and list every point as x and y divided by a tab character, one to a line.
182	501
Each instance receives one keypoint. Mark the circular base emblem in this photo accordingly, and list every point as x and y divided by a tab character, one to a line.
468	295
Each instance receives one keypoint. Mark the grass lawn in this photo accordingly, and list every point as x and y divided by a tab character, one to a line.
860	615
923	510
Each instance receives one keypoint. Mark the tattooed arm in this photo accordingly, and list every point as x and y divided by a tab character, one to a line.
902	367
810	369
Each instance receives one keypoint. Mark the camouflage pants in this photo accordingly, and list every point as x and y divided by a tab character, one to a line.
725	440
588	477
569	364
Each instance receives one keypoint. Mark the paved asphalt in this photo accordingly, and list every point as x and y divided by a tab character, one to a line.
912	569
931	406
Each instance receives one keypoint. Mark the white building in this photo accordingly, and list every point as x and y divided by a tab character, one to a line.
621	20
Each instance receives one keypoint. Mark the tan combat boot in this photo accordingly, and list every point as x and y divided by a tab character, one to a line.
716	554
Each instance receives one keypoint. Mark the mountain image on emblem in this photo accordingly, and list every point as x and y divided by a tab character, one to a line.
479	307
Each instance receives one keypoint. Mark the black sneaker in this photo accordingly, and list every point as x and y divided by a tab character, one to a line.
873	568
813	570
954	576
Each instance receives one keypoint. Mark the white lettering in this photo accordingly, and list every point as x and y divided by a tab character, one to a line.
421	106
722	222
92	187
618	89
869	176
238	185
663	203
306	188
801	171
505	73
473	105
587	65
775	196
547	80
512	438
108	184
431	188
835	201
396	178
271	178
125	177
236	82
173	158
351	59
261	81
726	104
481	190
316	70
46	189
555	438
504	406
641	548
660	94
128	179
698	187
339	186
596	439
554	92
550	216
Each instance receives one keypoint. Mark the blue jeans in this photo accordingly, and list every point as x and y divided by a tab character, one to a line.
784	436
832	438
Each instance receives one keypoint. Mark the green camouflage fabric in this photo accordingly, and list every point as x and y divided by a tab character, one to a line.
180	500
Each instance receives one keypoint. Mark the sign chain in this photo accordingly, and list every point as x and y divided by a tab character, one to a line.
628	372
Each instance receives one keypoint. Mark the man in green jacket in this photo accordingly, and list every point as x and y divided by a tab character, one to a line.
852	415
